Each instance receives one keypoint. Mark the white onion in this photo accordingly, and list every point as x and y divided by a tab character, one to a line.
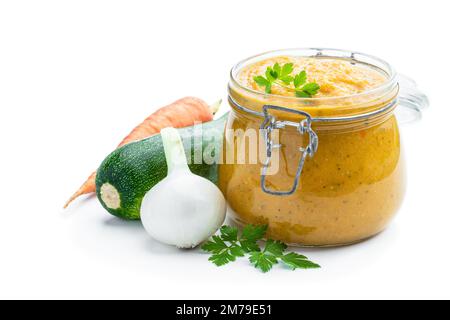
183	209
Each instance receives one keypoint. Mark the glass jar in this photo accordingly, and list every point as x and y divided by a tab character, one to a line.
330	171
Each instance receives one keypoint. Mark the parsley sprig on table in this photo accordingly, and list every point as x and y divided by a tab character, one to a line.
282	76
229	245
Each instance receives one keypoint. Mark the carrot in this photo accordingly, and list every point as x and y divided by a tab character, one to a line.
182	113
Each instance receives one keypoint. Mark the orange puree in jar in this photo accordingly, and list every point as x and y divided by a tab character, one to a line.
336	77
352	186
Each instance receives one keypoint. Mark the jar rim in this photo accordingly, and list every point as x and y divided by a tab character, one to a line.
358	57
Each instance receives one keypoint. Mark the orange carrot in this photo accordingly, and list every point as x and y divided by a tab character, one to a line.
182	113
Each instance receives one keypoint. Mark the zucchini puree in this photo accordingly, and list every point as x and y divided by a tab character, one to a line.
353	185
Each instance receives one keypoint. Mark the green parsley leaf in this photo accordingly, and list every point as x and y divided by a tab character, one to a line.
229	233
223	253
276	248
254	233
312	88
263	261
216	245
237	251
266	259
300	79
250	235
287	79
249	246
277	70
287	69
297	261
261	81
302	94
221	259
271	75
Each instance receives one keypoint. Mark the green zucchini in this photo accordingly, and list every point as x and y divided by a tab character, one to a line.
129	172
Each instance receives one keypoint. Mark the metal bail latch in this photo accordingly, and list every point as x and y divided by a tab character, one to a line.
269	124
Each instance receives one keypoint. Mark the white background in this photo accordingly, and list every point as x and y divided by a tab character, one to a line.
76	76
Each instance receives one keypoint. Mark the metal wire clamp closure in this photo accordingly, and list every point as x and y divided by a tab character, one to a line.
269	124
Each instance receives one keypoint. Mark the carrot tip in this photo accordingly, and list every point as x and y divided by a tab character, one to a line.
70	200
